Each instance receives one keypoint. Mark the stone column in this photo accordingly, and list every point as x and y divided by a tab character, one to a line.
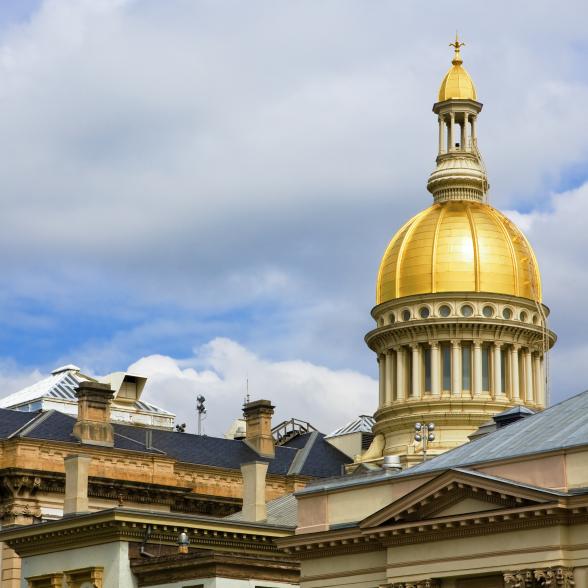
450	131
435	368
400	391
416	370
543	383
528	376
514	372
497	383
441	135
463	137
474	135
477	368
456	388
390	376
538	381
382	376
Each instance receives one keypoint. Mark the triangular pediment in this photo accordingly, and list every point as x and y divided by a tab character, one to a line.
459	493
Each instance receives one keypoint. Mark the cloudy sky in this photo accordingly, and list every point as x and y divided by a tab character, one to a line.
202	189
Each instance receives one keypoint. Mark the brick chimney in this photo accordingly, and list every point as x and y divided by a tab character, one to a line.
93	425
258	419
76	484
254	506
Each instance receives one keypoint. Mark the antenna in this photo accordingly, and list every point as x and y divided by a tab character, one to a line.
201	410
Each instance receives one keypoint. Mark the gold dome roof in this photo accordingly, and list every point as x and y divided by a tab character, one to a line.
459	246
457	83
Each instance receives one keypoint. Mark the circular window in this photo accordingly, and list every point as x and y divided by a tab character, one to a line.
523	316
424	312
444	311
392	318
406	315
467	310
507	313
488	311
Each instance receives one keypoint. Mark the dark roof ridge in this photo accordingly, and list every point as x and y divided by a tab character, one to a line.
29	426
300	458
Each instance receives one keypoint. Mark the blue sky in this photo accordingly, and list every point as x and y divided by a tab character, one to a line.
174	173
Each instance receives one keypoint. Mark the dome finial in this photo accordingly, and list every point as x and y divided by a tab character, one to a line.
457	60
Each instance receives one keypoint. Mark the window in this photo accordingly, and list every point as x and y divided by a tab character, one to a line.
427	360
444	311
446	360
485	368
424	312
392	318
406	315
467	310
507	313
523	316
503	369
466	366
488	311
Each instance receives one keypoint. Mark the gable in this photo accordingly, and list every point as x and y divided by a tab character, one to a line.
458	493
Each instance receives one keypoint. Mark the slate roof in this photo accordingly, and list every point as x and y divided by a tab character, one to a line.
320	459
563	425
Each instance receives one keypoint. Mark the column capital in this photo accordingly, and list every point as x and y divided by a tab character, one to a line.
455	343
477	342
515	347
434	344
498	344
415	346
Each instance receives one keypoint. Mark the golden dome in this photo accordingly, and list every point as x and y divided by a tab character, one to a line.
457	83
459	246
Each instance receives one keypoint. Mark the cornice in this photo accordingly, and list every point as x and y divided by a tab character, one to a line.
132	526
330	543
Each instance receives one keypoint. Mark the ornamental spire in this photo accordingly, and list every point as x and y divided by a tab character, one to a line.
457	60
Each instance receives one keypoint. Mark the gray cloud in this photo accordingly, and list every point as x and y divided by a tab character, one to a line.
215	156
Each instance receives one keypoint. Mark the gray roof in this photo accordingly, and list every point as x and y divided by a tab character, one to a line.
282	512
561	426
362	424
319	459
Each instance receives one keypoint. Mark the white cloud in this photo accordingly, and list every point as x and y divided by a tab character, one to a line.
219	370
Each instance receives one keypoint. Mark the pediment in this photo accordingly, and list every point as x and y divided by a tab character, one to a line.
458	493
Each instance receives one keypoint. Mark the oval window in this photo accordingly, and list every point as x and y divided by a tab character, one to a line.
406	315
507	314
488	311
444	311
392	318
523	316
467	310
424	312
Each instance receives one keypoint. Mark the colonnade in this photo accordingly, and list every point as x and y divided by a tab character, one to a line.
447	123
462	369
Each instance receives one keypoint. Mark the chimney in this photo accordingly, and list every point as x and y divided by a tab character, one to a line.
76	484
93	425
258	420
254	507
